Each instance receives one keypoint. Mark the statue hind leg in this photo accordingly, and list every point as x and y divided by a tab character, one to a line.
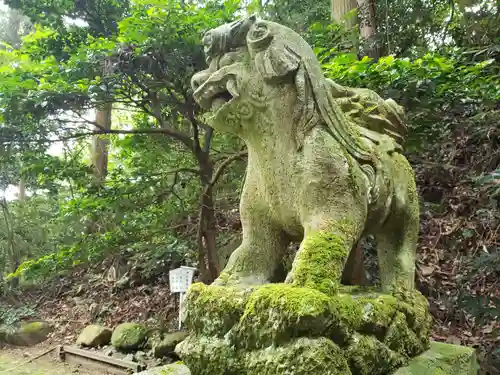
398	237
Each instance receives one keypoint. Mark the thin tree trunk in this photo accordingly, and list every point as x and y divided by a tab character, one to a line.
100	144
22	189
207	229
100	147
367	28
15	260
340	8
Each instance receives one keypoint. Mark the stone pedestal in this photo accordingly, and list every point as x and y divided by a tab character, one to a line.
279	329
443	359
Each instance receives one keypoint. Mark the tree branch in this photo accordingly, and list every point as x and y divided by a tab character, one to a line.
445	32
156	113
208	139
158	131
224	165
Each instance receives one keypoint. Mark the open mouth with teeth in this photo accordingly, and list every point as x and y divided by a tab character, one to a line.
217	95
220	99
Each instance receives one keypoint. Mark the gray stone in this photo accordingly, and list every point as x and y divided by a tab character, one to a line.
167	345
140	356
175	369
443	359
130	358
94	336
26	334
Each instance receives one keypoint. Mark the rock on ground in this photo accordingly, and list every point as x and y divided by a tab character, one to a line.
175	369
166	346
27	334
443	359
128	336
94	336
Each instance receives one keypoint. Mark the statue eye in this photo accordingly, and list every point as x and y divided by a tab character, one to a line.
207	39
260	31
207	43
259	36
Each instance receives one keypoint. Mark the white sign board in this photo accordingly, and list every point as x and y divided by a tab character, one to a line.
180	281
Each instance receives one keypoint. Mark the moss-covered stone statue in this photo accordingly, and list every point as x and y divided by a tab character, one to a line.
324	167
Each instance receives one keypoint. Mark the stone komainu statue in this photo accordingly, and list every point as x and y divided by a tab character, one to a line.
324	168
321	157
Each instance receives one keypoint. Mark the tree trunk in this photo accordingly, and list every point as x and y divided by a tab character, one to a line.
14	256
100	147
207	229
340	8
100	144
367	28
22	189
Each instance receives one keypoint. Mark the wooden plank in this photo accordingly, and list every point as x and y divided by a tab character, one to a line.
91	364
99	361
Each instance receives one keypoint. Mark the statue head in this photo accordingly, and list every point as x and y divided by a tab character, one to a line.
263	77
255	66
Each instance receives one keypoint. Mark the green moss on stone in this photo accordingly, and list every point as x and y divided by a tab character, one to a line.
129	336
94	336
402	339
377	314
443	359
320	261
209	356
368	356
34	327
301	357
235	323
276	313
355	290
214	310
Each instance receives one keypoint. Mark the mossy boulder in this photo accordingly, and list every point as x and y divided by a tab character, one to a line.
214	310
276	313
94	336
26	334
210	355
129	336
369	356
443	359
301	357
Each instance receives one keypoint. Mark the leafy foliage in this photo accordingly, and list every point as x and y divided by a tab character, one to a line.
46	97
434	89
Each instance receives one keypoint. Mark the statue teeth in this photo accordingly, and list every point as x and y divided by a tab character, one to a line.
232	88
